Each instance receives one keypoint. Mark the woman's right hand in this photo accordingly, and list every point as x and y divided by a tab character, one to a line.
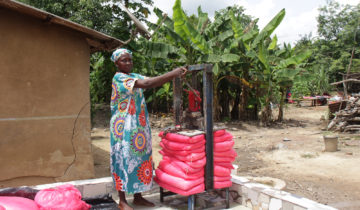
180	71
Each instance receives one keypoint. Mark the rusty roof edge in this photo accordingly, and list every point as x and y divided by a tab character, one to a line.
49	17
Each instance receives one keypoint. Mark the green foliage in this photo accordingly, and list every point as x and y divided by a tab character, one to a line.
339	31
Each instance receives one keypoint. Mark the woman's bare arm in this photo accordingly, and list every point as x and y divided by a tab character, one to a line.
160	80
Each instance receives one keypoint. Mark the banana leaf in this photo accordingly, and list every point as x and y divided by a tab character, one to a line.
294	60
269	28
235	25
228	58
174	36
262	55
168	22
225	35
211	58
179	19
196	37
203	18
216	69
249	36
273	43
159	49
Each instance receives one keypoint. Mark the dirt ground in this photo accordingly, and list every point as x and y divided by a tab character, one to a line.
331	178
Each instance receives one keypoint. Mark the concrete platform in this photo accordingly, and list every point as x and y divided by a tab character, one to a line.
244	194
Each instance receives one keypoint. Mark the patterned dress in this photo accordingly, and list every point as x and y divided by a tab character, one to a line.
130	154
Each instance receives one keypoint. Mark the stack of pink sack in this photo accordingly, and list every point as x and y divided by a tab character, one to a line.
224	155
182	168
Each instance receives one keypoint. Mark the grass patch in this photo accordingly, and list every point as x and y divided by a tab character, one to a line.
309	155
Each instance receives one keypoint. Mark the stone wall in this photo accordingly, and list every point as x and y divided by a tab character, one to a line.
263	197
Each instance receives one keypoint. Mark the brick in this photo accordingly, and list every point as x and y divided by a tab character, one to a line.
299	208
253	196
275	204
287	206
263	198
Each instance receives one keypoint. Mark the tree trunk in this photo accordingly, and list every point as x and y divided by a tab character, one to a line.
266	114
281	107
244	96
235	109
225	108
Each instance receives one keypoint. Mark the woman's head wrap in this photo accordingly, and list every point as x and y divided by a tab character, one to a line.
119	52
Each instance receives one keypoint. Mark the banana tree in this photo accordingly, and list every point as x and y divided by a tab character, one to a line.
185	42
251	45
286	71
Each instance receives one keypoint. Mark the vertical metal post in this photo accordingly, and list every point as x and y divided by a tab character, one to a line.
177	89
194	81
227	198
161	194
208	118
191	202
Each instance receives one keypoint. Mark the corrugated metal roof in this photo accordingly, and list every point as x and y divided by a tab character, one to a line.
97	41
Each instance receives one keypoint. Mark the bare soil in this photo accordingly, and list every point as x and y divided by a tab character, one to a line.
331	178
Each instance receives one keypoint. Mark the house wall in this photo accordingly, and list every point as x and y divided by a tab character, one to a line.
44	102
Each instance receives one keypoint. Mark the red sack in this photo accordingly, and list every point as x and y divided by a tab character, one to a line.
188	158
197	189
223	146
221	171
226	137
225	164
177	182
59	198
173	145
227	153
219	133
220	185
187	169
181	152
181	138
167	167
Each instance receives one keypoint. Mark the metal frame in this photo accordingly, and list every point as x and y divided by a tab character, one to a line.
208	124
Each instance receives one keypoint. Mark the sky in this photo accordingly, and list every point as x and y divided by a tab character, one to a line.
300	18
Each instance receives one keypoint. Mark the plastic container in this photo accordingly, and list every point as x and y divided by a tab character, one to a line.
331	143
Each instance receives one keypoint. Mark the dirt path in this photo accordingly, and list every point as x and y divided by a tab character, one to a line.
331	178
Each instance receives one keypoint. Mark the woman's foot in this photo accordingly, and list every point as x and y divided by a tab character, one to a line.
139	200
125	206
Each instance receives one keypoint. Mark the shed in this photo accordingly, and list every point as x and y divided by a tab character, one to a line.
45	98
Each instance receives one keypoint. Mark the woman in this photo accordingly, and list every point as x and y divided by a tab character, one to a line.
131	150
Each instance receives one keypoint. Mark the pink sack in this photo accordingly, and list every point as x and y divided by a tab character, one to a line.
177	182
181	152
59	198
187	169
222	178
173	145
197	189
228	153
224	159
197	163
17	203
167	167
190	158
226	137
223	146
225	164
181	138
219	133
221	171
220	185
